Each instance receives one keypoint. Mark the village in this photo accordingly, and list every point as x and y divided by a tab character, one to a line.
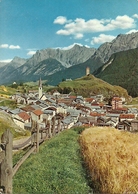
67	111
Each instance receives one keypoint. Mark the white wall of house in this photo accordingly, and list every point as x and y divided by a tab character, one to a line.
61	110
19	123
68	126
47	116
30	101
43	97
36	117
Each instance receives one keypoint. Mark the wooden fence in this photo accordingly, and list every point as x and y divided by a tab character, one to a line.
7	170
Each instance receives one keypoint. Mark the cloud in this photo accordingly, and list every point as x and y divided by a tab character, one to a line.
60	20
30	53
121	22
6	46
102	38
14	47
131	31
135	15
78	36
79	26
6	60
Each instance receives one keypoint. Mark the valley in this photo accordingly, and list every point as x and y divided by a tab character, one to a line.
55	84
56	65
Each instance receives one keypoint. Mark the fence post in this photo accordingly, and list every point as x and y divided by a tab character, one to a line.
37	140
53	125
59	125
42	135
6	164
49	130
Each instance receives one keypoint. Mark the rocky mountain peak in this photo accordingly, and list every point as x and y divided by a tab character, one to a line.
18	60
121	43
75	55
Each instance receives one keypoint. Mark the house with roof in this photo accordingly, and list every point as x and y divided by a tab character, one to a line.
124	125
67	123
133	111
89	100
27	108
61	108
88	120
31	100
79	99
98	97
68	101
112	122
49	101
56	93
74	114
116	103
128	117
134	125
21	100
49	113
113	115
14	111
21	119
43	97
37	115
72	97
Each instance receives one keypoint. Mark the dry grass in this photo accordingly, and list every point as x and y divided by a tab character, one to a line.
112	159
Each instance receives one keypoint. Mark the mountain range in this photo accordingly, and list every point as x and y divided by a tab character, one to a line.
55	65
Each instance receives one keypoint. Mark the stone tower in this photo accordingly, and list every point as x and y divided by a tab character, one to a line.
87	71
40	89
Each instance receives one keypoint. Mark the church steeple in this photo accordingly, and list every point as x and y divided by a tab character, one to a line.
40	89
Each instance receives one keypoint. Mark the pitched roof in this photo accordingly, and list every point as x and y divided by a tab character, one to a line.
95	114
72	97
89	99
116	99
37	112
127	116
27	108
15	111
24	116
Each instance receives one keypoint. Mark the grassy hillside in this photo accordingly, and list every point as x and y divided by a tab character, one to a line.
90	85
112	159
123	71
56	169
6	91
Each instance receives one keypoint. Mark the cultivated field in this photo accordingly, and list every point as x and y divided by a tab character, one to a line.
112	159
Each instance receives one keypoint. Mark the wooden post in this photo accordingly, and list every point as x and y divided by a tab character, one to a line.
33	132
49	130
37	140
59	125
6	164
53	125
42	135
45	128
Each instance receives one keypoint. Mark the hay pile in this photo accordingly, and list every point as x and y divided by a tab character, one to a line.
112	159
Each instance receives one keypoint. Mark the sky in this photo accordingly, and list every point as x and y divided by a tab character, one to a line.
30	25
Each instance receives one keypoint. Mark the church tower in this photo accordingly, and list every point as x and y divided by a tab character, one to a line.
40	89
